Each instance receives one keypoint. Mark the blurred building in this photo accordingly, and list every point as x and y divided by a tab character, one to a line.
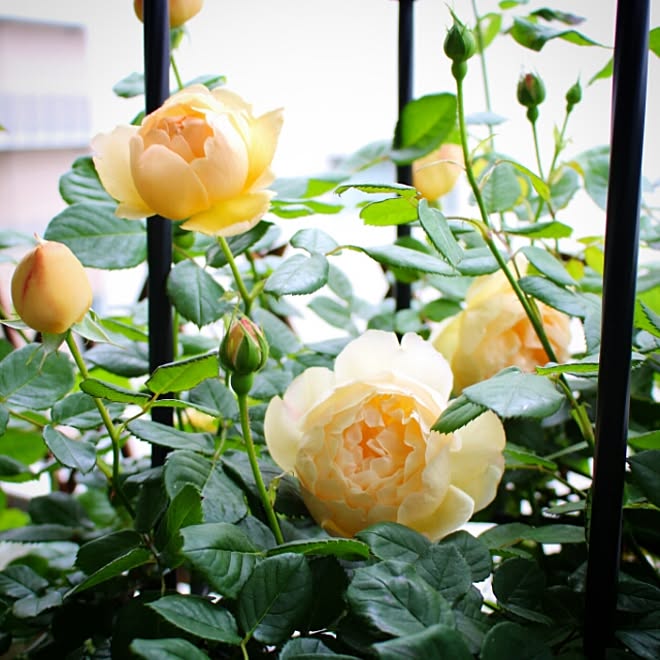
45	112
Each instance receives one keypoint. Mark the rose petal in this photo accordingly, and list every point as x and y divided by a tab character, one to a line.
112	161
264	133
232	216
478	467
166	182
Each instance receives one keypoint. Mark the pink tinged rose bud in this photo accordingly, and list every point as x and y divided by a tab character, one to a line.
493	332
436	174
359	440
50	289
202	157
180	10
244	349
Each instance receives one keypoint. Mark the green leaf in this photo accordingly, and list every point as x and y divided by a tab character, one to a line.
538	184
20	581
645	472
195	294
437	229
31	606
519	585
4	418
275	597
551	267
167	436
307	648
444	568
98	552
512	393
130	86
473	551
643	636
132	559
129	360
297	275
79	410
184	374
437	641
501	188
521	456
216	398
77	454
101	390
237	244
13	470
315	241
509	534
594	165
82	184
390	540
348	549
223	554
649	440
423	125
98	237
394	599
334	313
168	648
458	413
184	510
551	294
281	339
604	73
586	367
489	25
542	230
511	640
391	211
38	534
654	41
222	499
535	36
199	617
30	378
396	256
399	189
478	261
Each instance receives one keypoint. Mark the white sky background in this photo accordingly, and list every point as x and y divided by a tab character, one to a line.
332	66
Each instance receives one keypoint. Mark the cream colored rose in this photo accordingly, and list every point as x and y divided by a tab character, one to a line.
201	157
180	10
359	440
493	332
436	174
50	288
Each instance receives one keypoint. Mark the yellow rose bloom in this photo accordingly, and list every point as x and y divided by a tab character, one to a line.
493	332
201	157
50	288
436	174
359	440
180	10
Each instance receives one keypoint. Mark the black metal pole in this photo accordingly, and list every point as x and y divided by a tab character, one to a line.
159	230
620	269
404	172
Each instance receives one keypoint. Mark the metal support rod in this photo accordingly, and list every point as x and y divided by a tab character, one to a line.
404	172
159	230
619	279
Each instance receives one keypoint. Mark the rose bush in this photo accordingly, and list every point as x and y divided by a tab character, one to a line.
359	440
50	288
202	157
493	332
436	174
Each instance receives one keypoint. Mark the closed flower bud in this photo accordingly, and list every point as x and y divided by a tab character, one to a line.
460	44
436	174
180	10
531	90
50	289
244	349
573	96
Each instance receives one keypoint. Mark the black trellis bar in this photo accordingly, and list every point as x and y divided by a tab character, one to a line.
621	249
404	172
159	230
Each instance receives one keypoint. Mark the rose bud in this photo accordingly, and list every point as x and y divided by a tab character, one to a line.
50	289
243	351
435	174
573	96
531	93
180	10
